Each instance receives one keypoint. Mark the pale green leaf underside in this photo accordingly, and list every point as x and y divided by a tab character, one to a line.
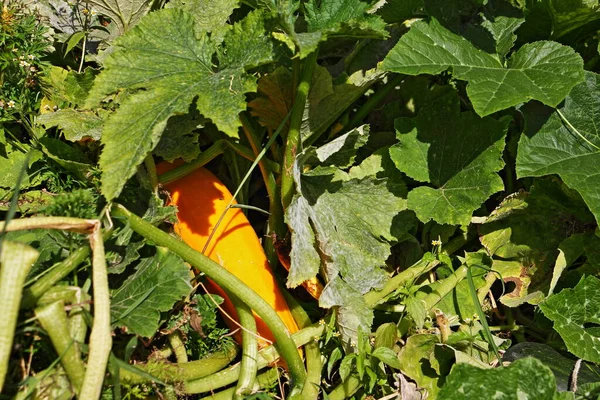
163	60
352	222
156	285
338	18
458	153
124	13
544	71
570	310
210	15
569	145
343	228
74	125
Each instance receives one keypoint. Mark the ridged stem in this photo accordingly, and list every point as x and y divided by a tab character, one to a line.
210	154
263	380
16	260
53	319
312	351
248	364
100	342
176	343
294	139
181	372
58	272
267	356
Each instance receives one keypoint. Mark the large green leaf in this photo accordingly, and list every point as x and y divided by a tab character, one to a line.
527	378
163	56
566	142
458	153
13	158
572	311
156	285
544	71
64	86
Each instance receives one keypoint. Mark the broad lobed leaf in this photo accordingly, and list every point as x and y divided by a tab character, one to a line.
544	71
168	66
458	153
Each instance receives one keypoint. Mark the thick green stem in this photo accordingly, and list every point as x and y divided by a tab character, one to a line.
100	342
294	139
151	169
249	362
263	380
16	260
204	158
176	343
345	389
58	272
228	282
442	287
181	372
424	265
77	324
312	352
267	356
374	101
53	319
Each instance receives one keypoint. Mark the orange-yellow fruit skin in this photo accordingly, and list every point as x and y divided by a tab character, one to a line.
201	198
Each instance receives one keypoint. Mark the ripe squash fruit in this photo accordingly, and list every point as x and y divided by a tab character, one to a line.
201	198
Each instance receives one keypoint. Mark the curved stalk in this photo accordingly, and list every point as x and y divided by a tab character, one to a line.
345	389
248	364
79	225
424	265
267	356
100	338
312	352
53	319
16	260
263	380
58	272
228	282
210	154
176	343
180	372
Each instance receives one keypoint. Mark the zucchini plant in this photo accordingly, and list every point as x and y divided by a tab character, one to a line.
414	210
